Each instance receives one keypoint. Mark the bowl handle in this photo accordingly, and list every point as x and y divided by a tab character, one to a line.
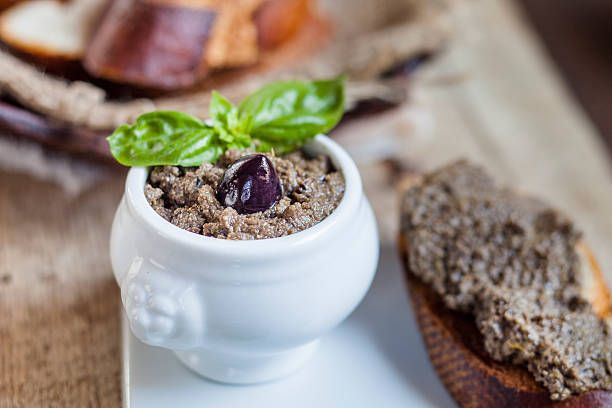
163	309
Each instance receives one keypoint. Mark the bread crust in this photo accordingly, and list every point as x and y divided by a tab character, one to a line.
132	45
456	350
595	290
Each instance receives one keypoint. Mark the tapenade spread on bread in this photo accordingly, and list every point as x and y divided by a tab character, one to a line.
515	264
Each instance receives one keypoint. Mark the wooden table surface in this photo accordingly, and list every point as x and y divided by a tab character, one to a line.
494	98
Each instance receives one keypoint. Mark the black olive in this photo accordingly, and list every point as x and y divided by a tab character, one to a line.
250	184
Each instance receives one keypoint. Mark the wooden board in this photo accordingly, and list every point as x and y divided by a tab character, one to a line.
493	98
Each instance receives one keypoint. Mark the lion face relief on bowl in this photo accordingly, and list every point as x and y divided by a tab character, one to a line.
163	309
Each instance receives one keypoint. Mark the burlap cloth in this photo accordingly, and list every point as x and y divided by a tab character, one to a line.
59	304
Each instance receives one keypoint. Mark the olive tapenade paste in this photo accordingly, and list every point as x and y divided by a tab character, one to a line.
186	197
512	262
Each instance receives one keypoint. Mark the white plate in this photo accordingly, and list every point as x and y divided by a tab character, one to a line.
374	359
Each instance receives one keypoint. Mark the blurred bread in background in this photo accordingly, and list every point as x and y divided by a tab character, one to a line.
51	29
158	44
112	60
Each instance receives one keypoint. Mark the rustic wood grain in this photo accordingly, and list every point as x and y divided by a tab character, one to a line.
59	305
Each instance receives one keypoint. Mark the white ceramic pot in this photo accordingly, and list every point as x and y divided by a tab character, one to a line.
243	311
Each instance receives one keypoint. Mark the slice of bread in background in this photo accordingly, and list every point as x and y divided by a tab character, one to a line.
157	44
173	44
51	28
150	44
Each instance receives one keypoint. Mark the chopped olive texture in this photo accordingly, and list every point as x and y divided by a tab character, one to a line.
245	195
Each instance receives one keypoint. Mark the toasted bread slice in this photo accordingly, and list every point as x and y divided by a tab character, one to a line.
594	288
471	376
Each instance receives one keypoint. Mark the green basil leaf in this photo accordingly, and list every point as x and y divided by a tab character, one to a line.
281	116
232	129
165	138
220	107
294	111
278	147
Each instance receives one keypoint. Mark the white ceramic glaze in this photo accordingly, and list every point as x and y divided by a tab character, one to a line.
374	359
243	311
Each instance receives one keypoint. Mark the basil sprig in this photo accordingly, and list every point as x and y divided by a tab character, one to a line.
281	116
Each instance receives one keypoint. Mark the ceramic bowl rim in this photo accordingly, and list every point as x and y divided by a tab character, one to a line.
146	215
